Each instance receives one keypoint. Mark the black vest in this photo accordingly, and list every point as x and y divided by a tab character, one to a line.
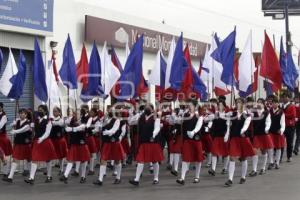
237	125
25	137
275	121
40	128
146	128
77	137
107	138
3	129
189	125
259	123
219	127
56	131
92	127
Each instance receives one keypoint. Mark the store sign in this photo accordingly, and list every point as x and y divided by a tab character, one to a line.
117	34
28	14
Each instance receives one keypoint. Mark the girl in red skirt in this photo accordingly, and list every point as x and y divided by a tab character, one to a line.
22	143
276	131
192	146
5	143
111	147
92	129
124	134
220	127
58	138
261	139
150	144
42	147
240	147
79	151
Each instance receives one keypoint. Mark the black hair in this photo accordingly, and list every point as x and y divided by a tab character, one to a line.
44	108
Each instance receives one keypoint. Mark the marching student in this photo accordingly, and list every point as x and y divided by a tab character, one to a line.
240	147
276	131
262	141
79	151
5	143
58	138
297	141
220	148
112	133
150	144
22	143
42	147
125	141
192	146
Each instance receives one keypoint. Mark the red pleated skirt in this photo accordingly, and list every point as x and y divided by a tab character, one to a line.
220	148
207	142
61	147
126	146
5	144
78	152
112	151
22	152
91	143
240	147
175	145
149	152
44	151
278	140
263	142
192	151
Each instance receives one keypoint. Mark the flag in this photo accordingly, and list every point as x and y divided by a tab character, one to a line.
82	69
110	74
67	71
270	68
10	71
18	80
246	66
169	62
198	86
116	62
39	79
268	87
158	73
179	65
132	74
224	54
293	70
1	58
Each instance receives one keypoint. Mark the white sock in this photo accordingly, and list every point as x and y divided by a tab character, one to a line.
62	163
33	170
83	169
171	161
151	164
254	162
92	162
214	162
118	168
244	168
102	172
198	169
226	162
139	170
12	170
49	168
156	171
209	158
277	156
231	170
265	160
68	169
176	161
184	168
112	162
271	155
77	166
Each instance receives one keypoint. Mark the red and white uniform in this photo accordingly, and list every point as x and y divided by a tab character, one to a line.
5	143
58	139
218	130
277	128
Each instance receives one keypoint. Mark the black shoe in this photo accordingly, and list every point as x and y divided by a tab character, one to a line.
242	180
97	182
29	181
175	173
9	180
124	165
252	174
57	166
180	181
224	171
82	180
48	179
196	180
25	173
228	183
295	152
212	172
289	160
117	181
75	174
133	182
91	173
169	167
271	166
155	182
64	179
277	166
262	172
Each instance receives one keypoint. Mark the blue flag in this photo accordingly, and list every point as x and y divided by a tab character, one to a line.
1	58
268	87
224	54
284	67
199	86
132	73
18	80
67	71
179	65
163	68
39	79
292	71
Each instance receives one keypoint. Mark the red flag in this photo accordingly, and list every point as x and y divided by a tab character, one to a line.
83	68
270	67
